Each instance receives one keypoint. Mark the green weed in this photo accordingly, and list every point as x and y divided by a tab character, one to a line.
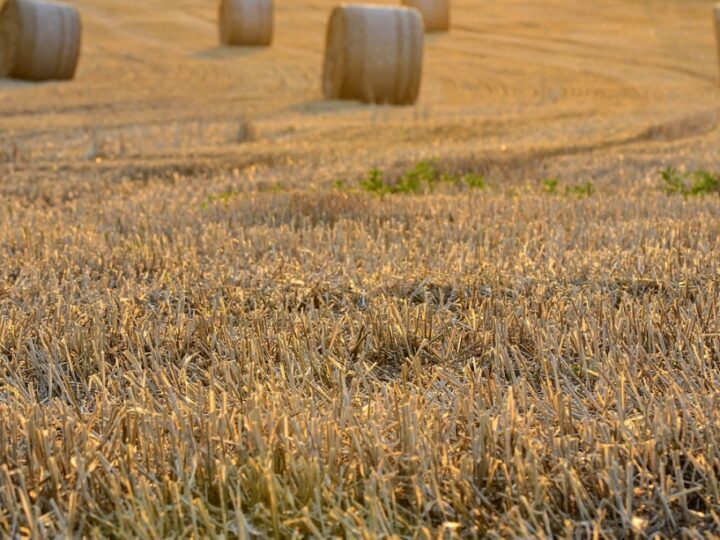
700	182
581	191
674	182
474	180
375	183
424	177
550	185
225	197
424	172
704	182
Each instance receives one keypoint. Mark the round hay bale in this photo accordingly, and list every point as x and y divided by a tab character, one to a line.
435	13
717	27
373	54
246	22
8	41
43	40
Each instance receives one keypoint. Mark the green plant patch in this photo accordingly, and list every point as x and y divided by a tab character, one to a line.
700	182
225	197
581	190
424	177
551	185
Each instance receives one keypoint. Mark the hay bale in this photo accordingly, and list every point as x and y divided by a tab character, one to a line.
717	27
42	40
246	22
373	54
435	13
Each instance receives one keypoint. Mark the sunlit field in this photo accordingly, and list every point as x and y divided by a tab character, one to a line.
230	308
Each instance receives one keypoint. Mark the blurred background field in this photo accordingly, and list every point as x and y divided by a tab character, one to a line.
513	79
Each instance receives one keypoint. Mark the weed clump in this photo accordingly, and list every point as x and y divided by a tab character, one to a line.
375	182
551	186
425	177
700	182
224	197
582	190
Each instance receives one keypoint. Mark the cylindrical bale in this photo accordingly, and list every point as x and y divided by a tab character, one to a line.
435	13
374	54
246	22
717	27
8	41
43	40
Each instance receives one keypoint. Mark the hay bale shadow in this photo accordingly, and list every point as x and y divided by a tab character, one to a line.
227	53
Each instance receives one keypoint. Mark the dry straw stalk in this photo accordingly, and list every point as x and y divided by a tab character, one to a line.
435	13
246	22
41	41
373	54
321	364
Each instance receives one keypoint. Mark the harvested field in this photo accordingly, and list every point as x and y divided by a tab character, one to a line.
217	320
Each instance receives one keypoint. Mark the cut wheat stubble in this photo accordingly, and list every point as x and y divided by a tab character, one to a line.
374	54
246	22
41	41
435	13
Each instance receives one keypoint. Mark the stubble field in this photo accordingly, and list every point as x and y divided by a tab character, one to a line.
214	324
